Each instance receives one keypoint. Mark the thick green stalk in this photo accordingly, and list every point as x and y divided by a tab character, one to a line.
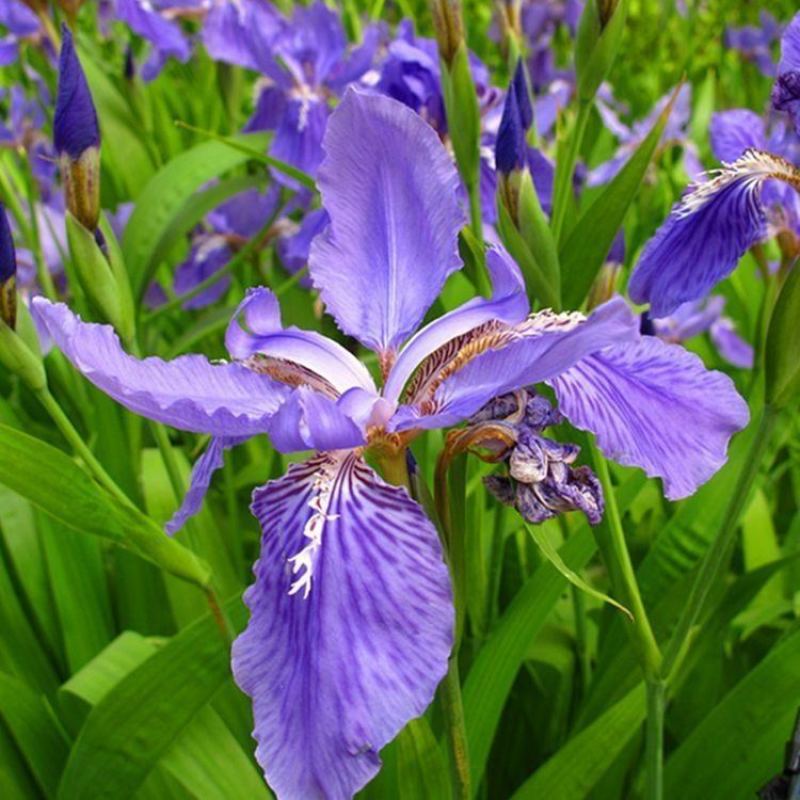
654	740
718	552
453	707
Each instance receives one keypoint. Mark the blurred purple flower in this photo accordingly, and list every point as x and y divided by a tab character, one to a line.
675	133
755	42
151	20
351	572
786	90
19	23
701	316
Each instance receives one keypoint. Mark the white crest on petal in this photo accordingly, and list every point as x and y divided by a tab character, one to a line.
751	169
304	561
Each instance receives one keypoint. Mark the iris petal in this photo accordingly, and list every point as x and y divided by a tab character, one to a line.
654	405
350	628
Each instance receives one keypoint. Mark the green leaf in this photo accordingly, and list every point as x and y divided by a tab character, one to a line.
137	722
495	667
35	731
577	766
783	341
589	241
166	194
740	744
541	538
53	482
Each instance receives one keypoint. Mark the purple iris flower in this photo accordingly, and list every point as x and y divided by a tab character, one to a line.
786	90
306	65
20	23
717	220
539	20
701	316
151	20
755	42
351	612
675	132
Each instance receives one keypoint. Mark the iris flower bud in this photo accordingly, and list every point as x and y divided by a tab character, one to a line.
77	137
511	148
449	26
8	273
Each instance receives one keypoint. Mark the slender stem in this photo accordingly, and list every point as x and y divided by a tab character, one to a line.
581	637
615	552
565	170
453	707
170	462
654	741
717	553
476	224
80	447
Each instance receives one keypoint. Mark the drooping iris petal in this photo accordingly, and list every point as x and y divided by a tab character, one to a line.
265	335
242	33
294	248
188	393
336	668
391	191
202	472
166	37
732	347
509	304
308	420
706	233
786	90
654	405
735	131
505	358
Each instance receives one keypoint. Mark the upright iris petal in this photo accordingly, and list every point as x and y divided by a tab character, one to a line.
395	217
707	233
786	90
351	624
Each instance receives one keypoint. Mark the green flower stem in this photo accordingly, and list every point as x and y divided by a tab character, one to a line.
717	553
611	540
394	469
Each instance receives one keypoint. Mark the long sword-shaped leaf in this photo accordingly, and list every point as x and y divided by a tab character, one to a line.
53	482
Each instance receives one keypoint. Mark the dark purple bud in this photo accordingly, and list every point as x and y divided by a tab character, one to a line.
520	82
511	150
8	273
646	327
129	70
75	127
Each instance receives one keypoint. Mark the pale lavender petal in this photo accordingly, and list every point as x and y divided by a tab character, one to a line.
731	346
202	472
309	420
733	132
509	304
166	36
391	190
242	33
265	335
654	405
706	234
188	393
536	350
339	666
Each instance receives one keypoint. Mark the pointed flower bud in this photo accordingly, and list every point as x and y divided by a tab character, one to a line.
605	10
76	135
511	150
449	27
8	273
520	83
